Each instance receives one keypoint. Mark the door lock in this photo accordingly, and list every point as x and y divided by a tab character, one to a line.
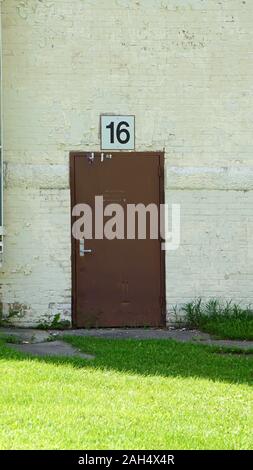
91	157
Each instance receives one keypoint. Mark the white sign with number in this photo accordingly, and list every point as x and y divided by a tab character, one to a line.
117	132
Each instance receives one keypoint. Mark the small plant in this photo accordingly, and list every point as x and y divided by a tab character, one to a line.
193	312
177	318
223	319
10	339
15	310
55	324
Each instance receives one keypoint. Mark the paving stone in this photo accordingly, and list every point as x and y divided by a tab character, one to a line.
27	335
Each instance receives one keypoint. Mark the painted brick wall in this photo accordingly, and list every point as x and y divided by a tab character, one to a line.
184	68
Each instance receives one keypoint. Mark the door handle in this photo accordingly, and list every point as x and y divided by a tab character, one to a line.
82	250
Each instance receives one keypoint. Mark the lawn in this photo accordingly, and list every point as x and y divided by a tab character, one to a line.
135	395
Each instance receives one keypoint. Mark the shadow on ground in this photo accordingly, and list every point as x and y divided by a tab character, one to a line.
151	358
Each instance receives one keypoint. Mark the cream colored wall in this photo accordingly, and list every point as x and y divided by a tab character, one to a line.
184	68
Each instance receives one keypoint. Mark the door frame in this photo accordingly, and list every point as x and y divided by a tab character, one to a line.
72	155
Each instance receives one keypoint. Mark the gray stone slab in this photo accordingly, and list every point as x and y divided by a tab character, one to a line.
52	348
27	335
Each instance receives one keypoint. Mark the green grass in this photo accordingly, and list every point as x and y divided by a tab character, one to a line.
146	394
224	320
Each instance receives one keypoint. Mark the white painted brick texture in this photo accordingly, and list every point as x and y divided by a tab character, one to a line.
184	68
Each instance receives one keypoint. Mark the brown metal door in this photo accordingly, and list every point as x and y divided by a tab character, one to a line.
121	283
